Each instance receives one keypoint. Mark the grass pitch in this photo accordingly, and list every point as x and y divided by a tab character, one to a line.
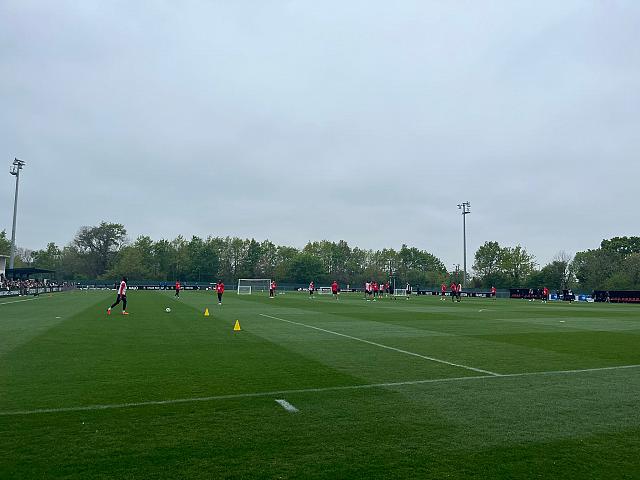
413	388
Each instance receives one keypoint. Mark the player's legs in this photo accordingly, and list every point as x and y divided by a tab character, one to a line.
114	304
219	298
124	305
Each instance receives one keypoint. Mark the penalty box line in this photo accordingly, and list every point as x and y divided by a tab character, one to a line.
399	350
19	301
176	401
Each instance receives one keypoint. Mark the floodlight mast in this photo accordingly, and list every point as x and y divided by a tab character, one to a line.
15	171
466	209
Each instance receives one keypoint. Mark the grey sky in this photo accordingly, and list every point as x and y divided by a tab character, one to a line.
294	121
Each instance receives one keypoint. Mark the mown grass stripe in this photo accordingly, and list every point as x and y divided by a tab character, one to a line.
399	350
305	390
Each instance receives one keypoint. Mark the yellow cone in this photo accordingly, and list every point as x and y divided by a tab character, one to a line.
237	328
206	312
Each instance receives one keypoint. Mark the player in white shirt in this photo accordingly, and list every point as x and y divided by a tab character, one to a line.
122	297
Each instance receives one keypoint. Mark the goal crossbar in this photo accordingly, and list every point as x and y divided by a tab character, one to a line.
248	286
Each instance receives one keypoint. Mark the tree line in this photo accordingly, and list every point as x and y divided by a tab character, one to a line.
103	252
615	265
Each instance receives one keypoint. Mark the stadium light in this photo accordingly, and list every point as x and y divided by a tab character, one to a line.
466	209
16	166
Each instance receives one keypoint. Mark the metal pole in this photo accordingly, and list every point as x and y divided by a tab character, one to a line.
464	248
17	166
466	209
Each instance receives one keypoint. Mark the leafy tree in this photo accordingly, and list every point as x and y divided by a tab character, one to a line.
162	252
621	246
594	267
303	268
5	243
49	258
179	263
488	260
266	267
99	245
130	262
72	264
251	259
627	277
517	264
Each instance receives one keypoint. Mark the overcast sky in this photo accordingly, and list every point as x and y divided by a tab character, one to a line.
292	120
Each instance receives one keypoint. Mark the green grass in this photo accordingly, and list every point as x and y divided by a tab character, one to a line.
63	351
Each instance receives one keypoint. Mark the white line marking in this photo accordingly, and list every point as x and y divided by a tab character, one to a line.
18	301
304	390
406	352
287	406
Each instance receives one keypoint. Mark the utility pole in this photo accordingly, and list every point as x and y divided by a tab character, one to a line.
466	209
15	170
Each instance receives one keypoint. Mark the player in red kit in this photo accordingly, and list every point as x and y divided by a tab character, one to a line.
443	291
545	295
272	289
334	289
178	288
454	290
122	297
220	291
493	292
312	287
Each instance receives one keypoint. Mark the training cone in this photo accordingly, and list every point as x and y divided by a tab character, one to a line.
206	312
236	327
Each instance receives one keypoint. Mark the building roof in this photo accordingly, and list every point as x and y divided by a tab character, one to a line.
25	272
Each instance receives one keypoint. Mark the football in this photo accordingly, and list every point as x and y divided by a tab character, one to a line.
167	309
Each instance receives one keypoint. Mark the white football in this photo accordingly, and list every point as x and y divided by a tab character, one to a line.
167	309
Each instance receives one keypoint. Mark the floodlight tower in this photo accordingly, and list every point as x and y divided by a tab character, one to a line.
466	209
15	171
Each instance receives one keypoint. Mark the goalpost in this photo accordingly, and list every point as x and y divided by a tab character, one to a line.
400	292
324	291
247	286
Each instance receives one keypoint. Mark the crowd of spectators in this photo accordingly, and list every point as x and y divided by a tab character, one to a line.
24	285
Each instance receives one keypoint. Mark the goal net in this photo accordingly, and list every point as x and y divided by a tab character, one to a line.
324	290
400	292
247	286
